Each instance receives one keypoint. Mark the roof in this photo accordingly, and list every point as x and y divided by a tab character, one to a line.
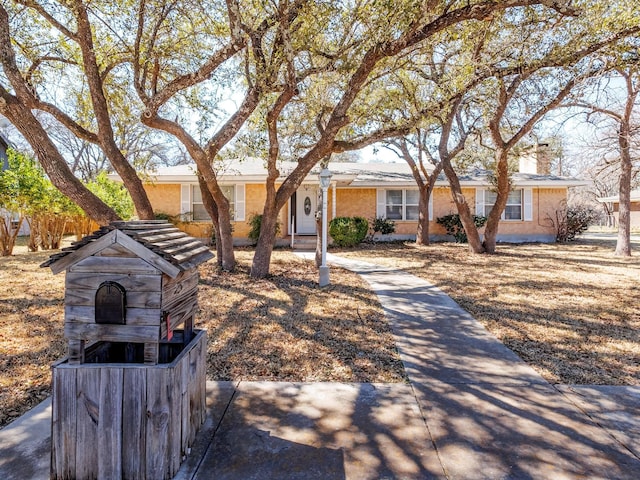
157	241
354	174
635	197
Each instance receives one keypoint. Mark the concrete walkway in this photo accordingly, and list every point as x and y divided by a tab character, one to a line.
472	410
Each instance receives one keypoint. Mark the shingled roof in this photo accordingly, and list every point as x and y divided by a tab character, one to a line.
169	245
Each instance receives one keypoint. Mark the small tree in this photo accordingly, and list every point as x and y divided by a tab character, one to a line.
113	194
572	221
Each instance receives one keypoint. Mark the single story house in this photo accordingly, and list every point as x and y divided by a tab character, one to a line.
369	190
614	201
4	146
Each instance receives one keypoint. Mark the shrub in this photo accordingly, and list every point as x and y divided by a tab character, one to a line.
572	221
383	225
453	225
165	216
255	221
348	231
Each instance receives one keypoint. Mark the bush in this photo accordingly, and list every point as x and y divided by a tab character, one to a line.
255	221
348	231
453	225
383	225
572	221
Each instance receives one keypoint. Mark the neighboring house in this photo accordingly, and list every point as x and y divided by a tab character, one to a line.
4	165
615	207
4	161
365	189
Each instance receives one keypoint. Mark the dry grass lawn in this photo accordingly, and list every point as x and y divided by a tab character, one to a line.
280	328
571	311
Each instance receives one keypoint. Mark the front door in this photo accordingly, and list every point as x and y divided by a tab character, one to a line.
306	206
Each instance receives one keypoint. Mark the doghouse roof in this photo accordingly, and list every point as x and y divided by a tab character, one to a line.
158	242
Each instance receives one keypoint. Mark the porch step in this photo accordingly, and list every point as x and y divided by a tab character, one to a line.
306	242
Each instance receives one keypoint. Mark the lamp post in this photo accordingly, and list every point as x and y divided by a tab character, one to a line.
325	180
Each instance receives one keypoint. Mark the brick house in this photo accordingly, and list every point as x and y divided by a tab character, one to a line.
365	189
615	207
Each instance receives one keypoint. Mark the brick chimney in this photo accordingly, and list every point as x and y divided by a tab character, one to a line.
536	159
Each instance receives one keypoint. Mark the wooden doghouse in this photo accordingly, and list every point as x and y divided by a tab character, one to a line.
130	397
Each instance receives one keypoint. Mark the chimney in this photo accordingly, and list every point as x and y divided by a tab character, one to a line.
536	159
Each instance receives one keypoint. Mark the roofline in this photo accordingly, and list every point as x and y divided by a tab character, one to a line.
349	178
616	199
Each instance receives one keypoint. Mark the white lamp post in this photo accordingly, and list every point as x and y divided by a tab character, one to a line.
325	180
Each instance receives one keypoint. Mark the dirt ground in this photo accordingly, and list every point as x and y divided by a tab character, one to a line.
571	311
282	328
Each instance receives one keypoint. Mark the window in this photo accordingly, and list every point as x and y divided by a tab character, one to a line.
400	204
198	210
518	204
192	202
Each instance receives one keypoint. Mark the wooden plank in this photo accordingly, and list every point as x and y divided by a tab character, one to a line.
134	414
178	315
137	283
146	254
86	297
182	312
112	333
146	227
185	423
88	415
183	374
63	423
104	264
116	250
109	444
177	292
134	316
179	245
202	377
83	252
158	418
197	386
151	353
167	281
184	257
165	237
76	351
175	444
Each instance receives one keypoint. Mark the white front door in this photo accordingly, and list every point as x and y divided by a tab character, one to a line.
306	206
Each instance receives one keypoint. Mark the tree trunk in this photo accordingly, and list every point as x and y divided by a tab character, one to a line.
52	161
266	240
623	244
127	173
226	234
504	186
473	237
422	235
8	234
212	209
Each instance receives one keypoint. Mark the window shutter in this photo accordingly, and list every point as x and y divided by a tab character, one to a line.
527	204
431	206
381	210
185	199
240	203
480	202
